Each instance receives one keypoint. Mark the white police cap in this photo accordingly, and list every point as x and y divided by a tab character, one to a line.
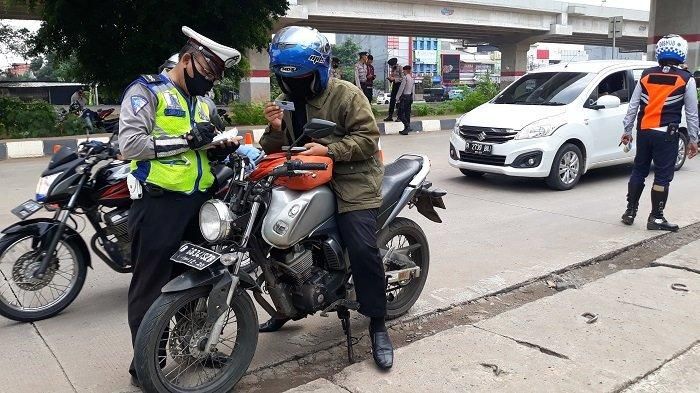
222	56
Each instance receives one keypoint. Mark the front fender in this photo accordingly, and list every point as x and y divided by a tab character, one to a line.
40	227
194	278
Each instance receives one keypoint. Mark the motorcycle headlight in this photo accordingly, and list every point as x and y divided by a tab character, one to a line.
42	188
541	128
215	221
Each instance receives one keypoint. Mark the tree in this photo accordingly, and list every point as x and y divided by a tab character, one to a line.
114	41
14	41
347	53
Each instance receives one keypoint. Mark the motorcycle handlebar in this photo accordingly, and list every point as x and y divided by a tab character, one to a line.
312	166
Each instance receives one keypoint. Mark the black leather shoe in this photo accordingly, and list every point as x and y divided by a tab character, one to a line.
135	382
628	217
660	224
382	349
272	325
389	119
405	131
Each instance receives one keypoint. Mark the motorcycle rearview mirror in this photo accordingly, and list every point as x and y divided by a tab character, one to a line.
318	128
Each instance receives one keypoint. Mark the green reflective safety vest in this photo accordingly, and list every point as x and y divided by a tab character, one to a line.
186	172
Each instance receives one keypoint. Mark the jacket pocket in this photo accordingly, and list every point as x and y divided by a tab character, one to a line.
355	184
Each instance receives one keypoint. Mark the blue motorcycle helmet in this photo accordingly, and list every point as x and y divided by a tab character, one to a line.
299	53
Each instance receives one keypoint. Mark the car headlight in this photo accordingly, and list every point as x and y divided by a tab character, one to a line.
42	188
215	221
456	128
541	128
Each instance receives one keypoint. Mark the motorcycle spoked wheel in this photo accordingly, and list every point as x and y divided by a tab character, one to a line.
406	237
177	363
25	298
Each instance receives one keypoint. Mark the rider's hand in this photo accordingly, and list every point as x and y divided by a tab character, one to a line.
315	149
201	135
692	150
626	139
273	115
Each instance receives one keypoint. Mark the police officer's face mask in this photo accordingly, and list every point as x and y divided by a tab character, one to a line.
197	85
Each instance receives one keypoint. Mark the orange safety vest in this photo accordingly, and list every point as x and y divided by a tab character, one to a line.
663	95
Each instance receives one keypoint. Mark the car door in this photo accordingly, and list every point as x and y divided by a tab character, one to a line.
605	125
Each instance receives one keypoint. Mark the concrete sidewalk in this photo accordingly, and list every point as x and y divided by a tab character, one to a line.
644	338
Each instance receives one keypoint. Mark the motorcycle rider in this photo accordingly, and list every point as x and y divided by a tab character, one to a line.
163	128
660	96
300	59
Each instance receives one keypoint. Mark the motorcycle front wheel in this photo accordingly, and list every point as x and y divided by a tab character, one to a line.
170	349
25	298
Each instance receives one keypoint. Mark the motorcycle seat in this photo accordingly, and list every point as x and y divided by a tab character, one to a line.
397	175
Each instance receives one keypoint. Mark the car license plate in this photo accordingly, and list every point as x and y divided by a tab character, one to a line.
195	256
26	209
479	148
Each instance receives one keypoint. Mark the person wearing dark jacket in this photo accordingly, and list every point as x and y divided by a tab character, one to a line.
357	170
395	80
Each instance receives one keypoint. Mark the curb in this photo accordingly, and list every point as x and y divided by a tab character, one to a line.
42	148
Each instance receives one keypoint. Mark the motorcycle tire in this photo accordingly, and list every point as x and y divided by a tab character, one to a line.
410	293
81	263
158	318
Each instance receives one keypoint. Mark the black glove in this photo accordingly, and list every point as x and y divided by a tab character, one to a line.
220	153
201	135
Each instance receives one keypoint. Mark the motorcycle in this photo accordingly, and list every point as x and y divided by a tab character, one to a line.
94	121
202	332
44	261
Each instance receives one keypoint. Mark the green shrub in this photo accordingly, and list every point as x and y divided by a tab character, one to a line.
26	119
247	114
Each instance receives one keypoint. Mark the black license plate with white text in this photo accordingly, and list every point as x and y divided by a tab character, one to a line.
195	256
479	148
26	209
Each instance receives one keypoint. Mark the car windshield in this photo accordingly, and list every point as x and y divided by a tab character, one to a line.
545	88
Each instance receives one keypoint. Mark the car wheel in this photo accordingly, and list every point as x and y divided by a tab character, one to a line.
566	168
468	173
682	151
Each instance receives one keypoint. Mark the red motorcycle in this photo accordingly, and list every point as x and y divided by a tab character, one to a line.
44	261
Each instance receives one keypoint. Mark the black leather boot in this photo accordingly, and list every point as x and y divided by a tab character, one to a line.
634	191
657	221
382	349
272	325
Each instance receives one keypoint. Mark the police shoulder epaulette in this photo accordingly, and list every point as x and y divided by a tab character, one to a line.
155	78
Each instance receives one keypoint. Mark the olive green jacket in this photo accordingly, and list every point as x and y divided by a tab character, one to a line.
357	171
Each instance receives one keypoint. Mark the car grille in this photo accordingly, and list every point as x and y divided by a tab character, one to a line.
482	159
486	134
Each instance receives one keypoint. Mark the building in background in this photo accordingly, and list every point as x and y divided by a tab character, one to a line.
475	62
374	44
18	69
426	57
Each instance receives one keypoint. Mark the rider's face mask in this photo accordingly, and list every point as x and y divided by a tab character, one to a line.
301	87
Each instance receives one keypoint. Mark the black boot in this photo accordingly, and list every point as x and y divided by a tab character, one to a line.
272	325
634	191
382	349
657	221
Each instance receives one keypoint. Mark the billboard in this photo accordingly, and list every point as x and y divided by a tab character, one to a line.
450	69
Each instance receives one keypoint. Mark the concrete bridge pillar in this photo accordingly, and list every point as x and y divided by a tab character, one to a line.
677	17
513	61
256	87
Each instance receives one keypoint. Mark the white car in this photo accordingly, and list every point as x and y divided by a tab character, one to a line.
556	123
383	98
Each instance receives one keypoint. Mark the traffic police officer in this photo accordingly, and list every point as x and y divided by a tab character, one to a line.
164	128
660	96
300	58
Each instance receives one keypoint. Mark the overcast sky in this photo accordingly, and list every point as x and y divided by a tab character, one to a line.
632	4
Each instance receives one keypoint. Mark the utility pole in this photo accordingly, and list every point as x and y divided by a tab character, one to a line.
614	31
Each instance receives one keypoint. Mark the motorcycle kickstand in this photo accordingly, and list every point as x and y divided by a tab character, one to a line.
344	315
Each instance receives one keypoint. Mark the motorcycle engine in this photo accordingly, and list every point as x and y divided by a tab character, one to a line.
314	288
117	222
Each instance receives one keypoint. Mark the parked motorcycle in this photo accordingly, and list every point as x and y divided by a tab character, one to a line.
44	261
201	333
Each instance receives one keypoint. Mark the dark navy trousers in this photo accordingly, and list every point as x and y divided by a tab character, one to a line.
653	145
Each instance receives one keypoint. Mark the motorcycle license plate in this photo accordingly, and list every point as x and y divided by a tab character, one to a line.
479	148
195	256
26	209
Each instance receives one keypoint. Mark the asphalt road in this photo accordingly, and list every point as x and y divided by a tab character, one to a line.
496	232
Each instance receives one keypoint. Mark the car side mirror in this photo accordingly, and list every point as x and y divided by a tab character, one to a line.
607	102
318	128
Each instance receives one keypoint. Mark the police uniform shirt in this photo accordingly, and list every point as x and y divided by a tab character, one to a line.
136	123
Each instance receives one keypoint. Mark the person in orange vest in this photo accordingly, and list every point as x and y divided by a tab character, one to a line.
657	103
